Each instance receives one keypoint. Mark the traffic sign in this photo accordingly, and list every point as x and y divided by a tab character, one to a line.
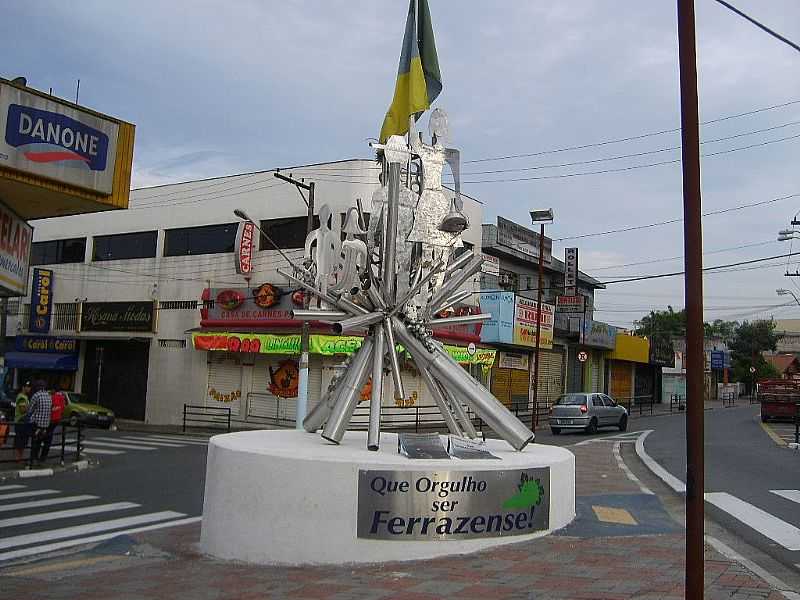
583	356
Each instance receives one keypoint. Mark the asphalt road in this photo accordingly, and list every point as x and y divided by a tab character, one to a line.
741	461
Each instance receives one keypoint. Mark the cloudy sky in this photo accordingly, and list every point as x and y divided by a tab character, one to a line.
216	88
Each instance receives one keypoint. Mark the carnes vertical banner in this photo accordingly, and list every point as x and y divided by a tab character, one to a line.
41	301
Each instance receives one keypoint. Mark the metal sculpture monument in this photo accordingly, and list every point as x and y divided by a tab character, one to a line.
393	285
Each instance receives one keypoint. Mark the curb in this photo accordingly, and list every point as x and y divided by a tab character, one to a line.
80	465
668	478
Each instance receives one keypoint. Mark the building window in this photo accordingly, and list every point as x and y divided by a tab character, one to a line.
288	233
209	239
58	251
141	244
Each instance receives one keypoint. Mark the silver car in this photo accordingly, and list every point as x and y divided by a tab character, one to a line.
587	412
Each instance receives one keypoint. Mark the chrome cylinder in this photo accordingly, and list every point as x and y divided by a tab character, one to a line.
415	288
461	384
457	297
440	400
394	363
319	315
461	414
460	320
390	249
374	431
326	297
347	398
456	280
359	322
320	413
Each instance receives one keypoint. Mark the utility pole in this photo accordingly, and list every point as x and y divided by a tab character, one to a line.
305	332
535	417
693	284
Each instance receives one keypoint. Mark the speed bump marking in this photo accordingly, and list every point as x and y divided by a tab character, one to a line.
620	516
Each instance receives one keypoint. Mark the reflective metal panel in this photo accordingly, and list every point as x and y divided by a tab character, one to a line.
452	505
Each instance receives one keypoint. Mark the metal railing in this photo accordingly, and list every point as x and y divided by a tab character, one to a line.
637	405
22	444
677	402
729	399
206	417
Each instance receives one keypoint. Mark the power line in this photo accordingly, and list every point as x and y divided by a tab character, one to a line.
671	258
676	220
761	26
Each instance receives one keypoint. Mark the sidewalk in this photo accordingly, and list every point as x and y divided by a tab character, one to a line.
623	545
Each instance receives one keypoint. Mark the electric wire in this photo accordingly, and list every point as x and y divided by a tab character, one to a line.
760	25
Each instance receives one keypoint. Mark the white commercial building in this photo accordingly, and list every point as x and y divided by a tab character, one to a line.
127	285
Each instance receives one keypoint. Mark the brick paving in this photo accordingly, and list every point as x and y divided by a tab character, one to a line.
642	567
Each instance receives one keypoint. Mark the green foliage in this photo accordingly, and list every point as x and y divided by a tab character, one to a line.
721	329
663	324
747	345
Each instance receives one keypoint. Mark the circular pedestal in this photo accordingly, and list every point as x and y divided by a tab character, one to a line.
289	497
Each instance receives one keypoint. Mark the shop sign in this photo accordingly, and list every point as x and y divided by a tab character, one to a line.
598	334
244	248
452	505
48	345
53	140
717	360
500	328
117	316
490	265
480	356
570	304
41	301
522	239
513	360
662	353
570	271
15	251
525	317
283	381
265	302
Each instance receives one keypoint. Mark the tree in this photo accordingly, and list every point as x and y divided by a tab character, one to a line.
719	328
663	324
747	345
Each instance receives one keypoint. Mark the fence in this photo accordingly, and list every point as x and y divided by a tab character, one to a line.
677	402
206	417
17	444
728	399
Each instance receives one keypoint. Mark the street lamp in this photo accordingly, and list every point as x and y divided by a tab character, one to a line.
785	235
540	216
784	292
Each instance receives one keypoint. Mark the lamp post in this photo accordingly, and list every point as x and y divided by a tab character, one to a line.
541	216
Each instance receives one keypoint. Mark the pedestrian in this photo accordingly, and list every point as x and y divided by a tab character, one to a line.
39	417
22	428
58	402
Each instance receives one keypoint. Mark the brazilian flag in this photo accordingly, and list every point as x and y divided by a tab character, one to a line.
418	79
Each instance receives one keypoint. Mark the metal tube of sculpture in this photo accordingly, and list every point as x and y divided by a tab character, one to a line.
359	322
348	397
457	380
440	400
461	320
374	430
461	414
319	414
456	280
394	363
319	315
354	310
457	297
415	288
392	213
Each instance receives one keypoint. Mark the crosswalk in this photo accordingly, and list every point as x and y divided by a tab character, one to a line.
38	521
779	531
106	445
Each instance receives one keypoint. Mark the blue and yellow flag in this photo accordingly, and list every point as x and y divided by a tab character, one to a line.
418	79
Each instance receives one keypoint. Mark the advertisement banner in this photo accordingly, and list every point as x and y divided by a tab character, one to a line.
54	140
525	316
48	345
41	301
452	505
262	303
513	360
570	271
500	328
15	252
570	304
118	316
243	248
522	239
491	265
598	334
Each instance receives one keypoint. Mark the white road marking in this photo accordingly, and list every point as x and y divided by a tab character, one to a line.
66	514
47	502
178	440
628	473
27	494
91	539
779	531
123	446
66	532
665	476
793	495
128	440
768	577
95	451
3	488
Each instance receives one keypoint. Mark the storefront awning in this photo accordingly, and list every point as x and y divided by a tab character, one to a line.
42	360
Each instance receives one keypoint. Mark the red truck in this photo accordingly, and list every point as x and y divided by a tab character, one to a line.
779	399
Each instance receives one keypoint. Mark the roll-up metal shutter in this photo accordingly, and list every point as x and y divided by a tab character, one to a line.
620	375
551	377
597	372
224	382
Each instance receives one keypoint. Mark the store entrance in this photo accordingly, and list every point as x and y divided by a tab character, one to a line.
120	367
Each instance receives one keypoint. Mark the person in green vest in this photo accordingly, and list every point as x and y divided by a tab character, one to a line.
22	429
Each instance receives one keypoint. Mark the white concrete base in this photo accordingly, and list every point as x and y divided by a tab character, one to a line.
289	497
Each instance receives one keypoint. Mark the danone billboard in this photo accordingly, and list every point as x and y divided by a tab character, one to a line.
57	141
